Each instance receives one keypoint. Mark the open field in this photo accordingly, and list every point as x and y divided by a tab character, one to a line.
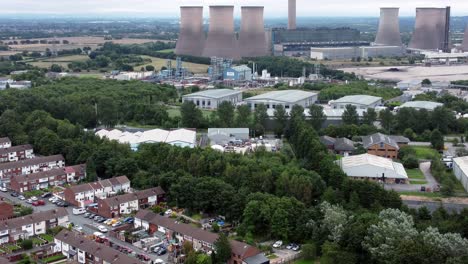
193	67
416	176
62	61
434	73
78	42
425	153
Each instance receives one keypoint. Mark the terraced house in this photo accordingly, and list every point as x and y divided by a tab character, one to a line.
16	153
5	143
45	179
28	166
24	227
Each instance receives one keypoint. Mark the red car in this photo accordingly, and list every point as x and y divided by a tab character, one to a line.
38	203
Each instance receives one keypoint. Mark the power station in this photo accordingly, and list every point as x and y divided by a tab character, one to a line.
389	27
252	38
221	40
431	30
191	38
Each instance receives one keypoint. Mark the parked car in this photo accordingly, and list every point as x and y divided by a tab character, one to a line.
278	244
86	215
296	247
290	246
78	228
161	251
117	224
14	194
38	203
3	189
29	201
21	197
52	199
129	220
168	212
78	211
102	228
34	198
46	195
97	217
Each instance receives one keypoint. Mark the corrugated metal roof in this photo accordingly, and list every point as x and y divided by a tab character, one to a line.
358	99
214	93
372	166
288	96
422	105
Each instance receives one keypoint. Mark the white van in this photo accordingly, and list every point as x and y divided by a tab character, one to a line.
78	211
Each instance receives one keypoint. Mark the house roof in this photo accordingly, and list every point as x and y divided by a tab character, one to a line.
128	197
101	251
238	248
111	182
30	162
378	138
327	141
15	149
287	96
182	135
214	93
422	105
358	99
371	166
37	217
400	139
85	187
344	144
39	175
4	140
257	259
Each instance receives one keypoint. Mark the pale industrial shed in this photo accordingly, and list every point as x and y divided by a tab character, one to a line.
373	168
286	98
211	99
222	136
418	105
460	169
359	101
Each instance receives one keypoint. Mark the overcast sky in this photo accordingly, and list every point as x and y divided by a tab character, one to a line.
273	8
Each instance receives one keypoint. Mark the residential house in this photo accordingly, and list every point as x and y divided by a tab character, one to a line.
329	142
127	203
6	211
16	153
80	249
381	145
401	140
342	146
200	239
85	194
45	179
5	143
28	166
11	230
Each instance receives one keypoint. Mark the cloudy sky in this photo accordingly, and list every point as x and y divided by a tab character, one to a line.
169	8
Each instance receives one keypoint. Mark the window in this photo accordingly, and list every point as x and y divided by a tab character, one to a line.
382	145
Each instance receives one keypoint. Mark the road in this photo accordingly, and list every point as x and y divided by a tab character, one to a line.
87	224
425	167
433	206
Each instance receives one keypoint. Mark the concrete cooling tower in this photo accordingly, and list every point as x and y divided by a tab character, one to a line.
389	28
252	38
221	40
292	14
191	37
432	29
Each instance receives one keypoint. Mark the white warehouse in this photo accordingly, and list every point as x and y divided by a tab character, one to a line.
211	99
460	169
286	98
359	101
371	167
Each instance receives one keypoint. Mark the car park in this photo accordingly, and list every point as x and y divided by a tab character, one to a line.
278	244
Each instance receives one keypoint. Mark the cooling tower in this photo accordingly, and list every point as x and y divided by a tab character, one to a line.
291	14
252	38
389	28
191	37
221	40
431	30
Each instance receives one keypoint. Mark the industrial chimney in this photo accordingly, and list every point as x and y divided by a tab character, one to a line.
389	28
432	29
252	37
221	41
292	14
464	46
191	37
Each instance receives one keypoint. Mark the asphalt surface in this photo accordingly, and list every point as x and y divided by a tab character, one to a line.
88	225
425	168
433	206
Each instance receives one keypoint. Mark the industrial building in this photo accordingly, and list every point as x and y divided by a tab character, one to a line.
370	167
418	105
286	98
432	30
211	99
192	37
359	101
222	136
388	33
238	73
460	169
348	53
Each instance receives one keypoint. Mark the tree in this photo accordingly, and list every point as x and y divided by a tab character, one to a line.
317	116
222	249
260	118
243	117
27	244
225	113
56	68
387	119
149	68
192	117
281	120
309	251
437	139
426	82
334	220
369	117
350	115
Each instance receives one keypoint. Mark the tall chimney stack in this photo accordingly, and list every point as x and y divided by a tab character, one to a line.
292	14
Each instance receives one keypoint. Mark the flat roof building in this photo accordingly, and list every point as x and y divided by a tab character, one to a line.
286	98
360	101
460	169
418	105
372	167
222	136
211	99
238	73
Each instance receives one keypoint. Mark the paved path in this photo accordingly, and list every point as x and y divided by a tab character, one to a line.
425	168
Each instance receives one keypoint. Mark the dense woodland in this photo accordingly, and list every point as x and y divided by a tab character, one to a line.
297	195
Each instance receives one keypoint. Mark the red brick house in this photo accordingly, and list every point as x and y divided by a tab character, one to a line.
127	203
6	211
381	145
16	153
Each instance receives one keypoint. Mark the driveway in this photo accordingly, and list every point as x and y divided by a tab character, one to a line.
425	168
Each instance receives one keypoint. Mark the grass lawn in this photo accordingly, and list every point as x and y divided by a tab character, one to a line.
197	217
11	247
415	174
174	112
47	237
304	261
422	194
158	63
37	241
53	258
418	182
272	256
425	153
166	51
62	61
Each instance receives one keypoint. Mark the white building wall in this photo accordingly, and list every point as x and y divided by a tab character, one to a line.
460	175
